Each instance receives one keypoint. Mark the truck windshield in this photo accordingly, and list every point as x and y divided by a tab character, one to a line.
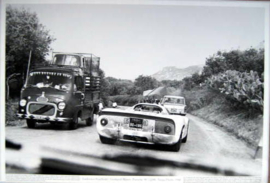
60	81
179	101
63	59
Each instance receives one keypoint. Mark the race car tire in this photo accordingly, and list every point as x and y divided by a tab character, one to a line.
31	123
176	147
184	140
106	140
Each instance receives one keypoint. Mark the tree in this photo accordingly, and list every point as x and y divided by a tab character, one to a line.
24	32
119	86
172	83
146	83
104	87
243	61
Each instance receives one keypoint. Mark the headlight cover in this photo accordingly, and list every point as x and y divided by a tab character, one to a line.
23	102
167	129
61	105
104	121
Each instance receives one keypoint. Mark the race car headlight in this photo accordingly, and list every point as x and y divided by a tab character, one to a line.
23	102
167	129
103	121
61	105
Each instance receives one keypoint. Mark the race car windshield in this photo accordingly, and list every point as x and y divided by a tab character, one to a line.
69	60
60	81
148	108
177	101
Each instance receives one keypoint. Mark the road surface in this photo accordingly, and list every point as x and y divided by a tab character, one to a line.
206	143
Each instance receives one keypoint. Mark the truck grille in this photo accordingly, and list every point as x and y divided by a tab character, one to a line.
41	109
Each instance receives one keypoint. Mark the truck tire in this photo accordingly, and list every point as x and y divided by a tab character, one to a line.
74	123
106	140
31	123
96	109
89	121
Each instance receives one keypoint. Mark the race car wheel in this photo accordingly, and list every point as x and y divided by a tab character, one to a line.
184	140
106	140
74	123
176	147
31	123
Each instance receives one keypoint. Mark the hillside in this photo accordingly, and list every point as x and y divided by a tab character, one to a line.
213	107
174	73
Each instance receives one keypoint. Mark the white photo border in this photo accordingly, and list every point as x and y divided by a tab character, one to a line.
224	3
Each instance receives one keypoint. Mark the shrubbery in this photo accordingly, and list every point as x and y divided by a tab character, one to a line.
242	61
198	97
11	109
244	89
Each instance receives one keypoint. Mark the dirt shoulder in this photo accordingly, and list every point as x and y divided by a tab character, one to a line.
247	129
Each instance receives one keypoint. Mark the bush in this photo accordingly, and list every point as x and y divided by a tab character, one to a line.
247	60
198	97
11	109
243	89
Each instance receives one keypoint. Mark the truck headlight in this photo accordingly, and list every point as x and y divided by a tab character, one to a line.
23	102
61	105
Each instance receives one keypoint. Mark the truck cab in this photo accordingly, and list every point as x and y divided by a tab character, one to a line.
64	92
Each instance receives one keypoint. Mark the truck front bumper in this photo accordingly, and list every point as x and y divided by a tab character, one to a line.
44	119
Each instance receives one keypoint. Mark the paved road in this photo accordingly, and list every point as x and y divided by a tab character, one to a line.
206	143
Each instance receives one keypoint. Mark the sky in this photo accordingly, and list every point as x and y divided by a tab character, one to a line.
134	40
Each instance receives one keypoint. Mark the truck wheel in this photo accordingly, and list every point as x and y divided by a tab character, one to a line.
176	147
74	123
31	123
96	109
106	140
89	121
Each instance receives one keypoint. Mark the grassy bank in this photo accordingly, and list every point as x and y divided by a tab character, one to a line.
214	107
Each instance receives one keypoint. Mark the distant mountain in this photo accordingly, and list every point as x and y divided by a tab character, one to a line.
174	73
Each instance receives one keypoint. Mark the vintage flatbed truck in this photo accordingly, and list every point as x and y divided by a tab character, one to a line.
65	91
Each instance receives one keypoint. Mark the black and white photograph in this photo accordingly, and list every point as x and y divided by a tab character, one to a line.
135	88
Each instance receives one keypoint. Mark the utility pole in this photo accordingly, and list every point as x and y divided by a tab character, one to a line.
28	67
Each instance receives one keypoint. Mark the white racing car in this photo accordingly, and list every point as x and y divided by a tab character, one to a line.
143	123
